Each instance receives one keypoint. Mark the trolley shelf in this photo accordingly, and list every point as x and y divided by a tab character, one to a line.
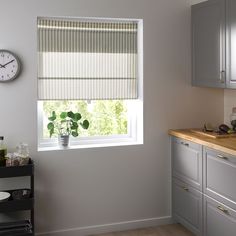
18	205
16	171
16	228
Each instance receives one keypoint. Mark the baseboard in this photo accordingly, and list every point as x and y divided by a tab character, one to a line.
119	226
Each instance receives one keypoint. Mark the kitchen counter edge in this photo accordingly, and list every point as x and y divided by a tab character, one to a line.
226	145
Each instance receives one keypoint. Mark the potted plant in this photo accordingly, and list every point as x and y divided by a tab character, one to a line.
65	124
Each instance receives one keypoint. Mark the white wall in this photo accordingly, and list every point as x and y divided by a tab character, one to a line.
229	103
78	188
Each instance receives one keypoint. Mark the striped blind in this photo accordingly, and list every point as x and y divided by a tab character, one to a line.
87	59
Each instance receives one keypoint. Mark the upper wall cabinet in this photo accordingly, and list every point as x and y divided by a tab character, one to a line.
214	44
231	43
208	44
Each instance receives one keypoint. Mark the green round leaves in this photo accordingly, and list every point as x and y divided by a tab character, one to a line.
85	124
67	123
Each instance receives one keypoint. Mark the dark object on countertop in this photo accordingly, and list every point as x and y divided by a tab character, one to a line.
224	128
21	194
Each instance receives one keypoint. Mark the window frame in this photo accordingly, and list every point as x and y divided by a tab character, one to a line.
134	135
135	117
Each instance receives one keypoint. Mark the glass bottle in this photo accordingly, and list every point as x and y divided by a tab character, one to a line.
233	118
3	152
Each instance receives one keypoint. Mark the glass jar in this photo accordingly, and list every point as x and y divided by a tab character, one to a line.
233	118
22	154
22	150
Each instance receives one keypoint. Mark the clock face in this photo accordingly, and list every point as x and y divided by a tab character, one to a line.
9	66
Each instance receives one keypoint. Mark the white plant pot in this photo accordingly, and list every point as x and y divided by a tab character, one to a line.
63	140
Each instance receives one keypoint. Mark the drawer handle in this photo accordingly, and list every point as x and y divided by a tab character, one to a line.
222	157
223	209
185	144
185	189
222	76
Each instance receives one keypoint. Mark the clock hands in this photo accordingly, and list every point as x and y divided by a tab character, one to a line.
4	66
7	63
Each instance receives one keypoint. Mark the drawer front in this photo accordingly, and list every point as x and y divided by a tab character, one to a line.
187	162
220	220
187	206
220	176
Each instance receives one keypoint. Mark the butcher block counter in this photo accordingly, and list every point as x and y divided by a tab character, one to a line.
227	145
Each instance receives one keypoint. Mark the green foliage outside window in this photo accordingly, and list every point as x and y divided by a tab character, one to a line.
106	117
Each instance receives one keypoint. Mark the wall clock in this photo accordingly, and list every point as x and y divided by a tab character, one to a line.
9	66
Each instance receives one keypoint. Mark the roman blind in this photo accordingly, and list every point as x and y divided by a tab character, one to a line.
87	59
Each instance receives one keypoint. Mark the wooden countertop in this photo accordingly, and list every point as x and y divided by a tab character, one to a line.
227	145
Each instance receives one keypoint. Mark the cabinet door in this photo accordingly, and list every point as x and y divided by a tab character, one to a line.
230	43
219	176
220	220
187	162
208	44
187	206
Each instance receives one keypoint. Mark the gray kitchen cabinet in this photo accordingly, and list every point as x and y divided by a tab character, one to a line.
219	220
220	176
187	162
203	188
187	206
230	46
208	44
187	184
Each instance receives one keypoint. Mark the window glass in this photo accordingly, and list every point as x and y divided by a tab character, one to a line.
106	117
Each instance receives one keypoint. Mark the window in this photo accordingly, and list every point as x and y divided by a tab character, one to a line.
93	66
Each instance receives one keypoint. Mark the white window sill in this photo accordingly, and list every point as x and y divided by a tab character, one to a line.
93	145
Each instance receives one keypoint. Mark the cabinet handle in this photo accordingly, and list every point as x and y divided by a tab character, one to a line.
222	157
222	76
223	209
185	144
185	189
